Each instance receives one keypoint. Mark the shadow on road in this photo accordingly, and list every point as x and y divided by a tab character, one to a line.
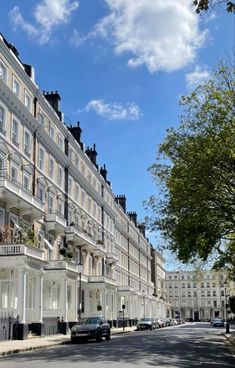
163	348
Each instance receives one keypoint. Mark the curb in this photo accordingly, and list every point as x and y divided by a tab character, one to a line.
48	345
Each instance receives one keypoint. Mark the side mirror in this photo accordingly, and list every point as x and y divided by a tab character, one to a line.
101	322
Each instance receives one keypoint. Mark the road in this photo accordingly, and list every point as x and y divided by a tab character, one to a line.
189	345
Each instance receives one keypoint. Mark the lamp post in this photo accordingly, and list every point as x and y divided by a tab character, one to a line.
226	307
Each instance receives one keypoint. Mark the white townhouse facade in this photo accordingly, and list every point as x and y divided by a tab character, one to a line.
158	277
68	248
197	295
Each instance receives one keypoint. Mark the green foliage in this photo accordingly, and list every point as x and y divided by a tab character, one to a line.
195	168
204	5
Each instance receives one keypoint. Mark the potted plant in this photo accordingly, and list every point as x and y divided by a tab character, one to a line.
63	251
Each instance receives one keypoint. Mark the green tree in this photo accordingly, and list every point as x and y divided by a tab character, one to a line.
195	168
205	5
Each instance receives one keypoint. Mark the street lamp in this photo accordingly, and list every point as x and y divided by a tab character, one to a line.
226	306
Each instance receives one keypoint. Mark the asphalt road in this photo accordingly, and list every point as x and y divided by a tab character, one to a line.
190	345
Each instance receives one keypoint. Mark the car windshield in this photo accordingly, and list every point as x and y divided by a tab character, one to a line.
90	321
144	319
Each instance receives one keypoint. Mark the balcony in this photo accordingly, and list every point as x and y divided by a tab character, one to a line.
111	258
55	221
79	236
17	196
9	250
101	280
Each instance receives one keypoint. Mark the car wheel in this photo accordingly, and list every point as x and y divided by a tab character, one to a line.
99	338
108	336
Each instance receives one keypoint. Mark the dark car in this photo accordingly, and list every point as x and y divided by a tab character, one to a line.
217	322
92	328
146	323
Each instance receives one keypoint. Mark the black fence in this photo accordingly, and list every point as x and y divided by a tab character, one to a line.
8	327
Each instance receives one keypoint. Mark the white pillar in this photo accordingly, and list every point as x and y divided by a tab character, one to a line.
22	279
103	297
64	300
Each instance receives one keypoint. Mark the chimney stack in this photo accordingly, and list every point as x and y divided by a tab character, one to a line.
92	154
121	200
76	131
54	98
133	217
103	172
142	228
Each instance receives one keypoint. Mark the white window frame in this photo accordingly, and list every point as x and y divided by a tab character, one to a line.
16	169
15	134
3	118
16	86
27	145
28	100
41	160
26	176
60	177
51	131
60	208
51	168
60	142
70	185
3	71
51	202
41	118
41	192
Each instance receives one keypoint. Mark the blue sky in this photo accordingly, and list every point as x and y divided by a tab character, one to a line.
120	67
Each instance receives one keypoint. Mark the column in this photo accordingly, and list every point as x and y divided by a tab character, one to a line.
103	301
21	295
64	299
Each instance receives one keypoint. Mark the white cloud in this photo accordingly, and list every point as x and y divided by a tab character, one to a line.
162	35
196	77
47	14
114	111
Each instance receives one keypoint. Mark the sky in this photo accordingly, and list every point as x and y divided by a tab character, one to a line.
120	67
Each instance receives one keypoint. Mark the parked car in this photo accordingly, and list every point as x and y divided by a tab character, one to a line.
218	322
146	323
92	328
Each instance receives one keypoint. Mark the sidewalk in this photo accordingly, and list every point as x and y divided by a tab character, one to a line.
16	346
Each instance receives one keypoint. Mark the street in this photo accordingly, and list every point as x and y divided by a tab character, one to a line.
189	345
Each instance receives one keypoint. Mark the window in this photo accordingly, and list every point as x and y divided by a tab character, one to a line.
51	132
41	158
28	101
76	161
77	193
60	208
51	168
27	143
14	173
50	203
26	181
15	131
2	119
60	142
3	72
41	118
60	176
214	293
16	87
83	199
70	185
41	191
